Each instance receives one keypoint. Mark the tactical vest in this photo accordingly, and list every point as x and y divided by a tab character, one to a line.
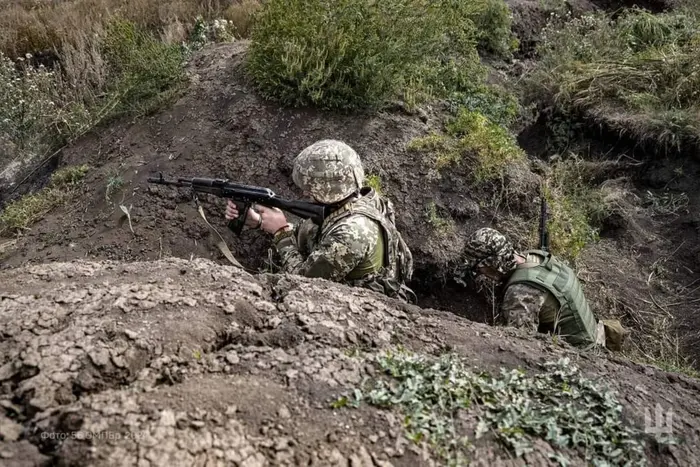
575	321
397	264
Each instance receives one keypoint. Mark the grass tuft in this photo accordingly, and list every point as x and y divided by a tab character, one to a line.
576	209
471	135
63	185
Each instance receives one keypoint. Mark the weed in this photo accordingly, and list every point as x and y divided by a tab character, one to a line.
470	134
145	70
349	54
242	16
374	182
441	224
114	183
576	208
20	214
558	405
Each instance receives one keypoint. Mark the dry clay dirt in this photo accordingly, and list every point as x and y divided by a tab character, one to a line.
178	362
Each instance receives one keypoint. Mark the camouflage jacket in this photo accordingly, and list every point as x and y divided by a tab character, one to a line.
358	245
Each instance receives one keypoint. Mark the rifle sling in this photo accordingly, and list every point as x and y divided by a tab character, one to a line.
220	243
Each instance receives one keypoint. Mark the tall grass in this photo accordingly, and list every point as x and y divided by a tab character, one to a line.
31	26
638	73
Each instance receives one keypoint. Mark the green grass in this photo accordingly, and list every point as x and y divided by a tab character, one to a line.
351	54
576	209
638	74
19	215
470	136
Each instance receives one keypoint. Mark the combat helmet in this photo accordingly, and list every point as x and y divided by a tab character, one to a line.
488	247
328	169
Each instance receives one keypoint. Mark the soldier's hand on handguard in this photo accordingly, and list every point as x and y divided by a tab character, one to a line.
259	217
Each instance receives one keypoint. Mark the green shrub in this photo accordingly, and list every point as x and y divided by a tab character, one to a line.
638	73
347	54
494	29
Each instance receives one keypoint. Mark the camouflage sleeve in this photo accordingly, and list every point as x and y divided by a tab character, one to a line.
340	251
522	305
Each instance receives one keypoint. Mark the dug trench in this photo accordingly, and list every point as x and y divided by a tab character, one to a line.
147	345
220	128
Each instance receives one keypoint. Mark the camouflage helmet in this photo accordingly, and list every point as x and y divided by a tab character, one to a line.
489	248
328	169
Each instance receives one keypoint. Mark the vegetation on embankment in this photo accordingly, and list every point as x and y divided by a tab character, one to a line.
352	54
636	72
54	28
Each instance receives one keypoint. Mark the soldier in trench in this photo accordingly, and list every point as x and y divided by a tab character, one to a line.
541	292
358	244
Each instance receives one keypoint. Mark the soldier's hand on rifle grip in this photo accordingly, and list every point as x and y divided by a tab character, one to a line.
232	212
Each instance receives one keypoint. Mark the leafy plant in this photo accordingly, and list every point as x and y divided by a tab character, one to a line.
559	405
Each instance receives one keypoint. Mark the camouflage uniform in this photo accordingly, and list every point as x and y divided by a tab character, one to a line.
358	244
528	307
527	303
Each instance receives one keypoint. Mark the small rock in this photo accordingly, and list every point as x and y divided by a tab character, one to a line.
274	322
282	444
131	334
99	357
118	361
197	424
351	337
232	357
7	371
284	412
9	430
231	410
373	438
167	418
6	454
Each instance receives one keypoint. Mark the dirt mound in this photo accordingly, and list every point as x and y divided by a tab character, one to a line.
188	362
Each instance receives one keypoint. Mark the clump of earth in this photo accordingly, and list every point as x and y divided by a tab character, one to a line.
179	362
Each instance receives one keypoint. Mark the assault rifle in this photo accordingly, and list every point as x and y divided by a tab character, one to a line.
245	196
544	233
